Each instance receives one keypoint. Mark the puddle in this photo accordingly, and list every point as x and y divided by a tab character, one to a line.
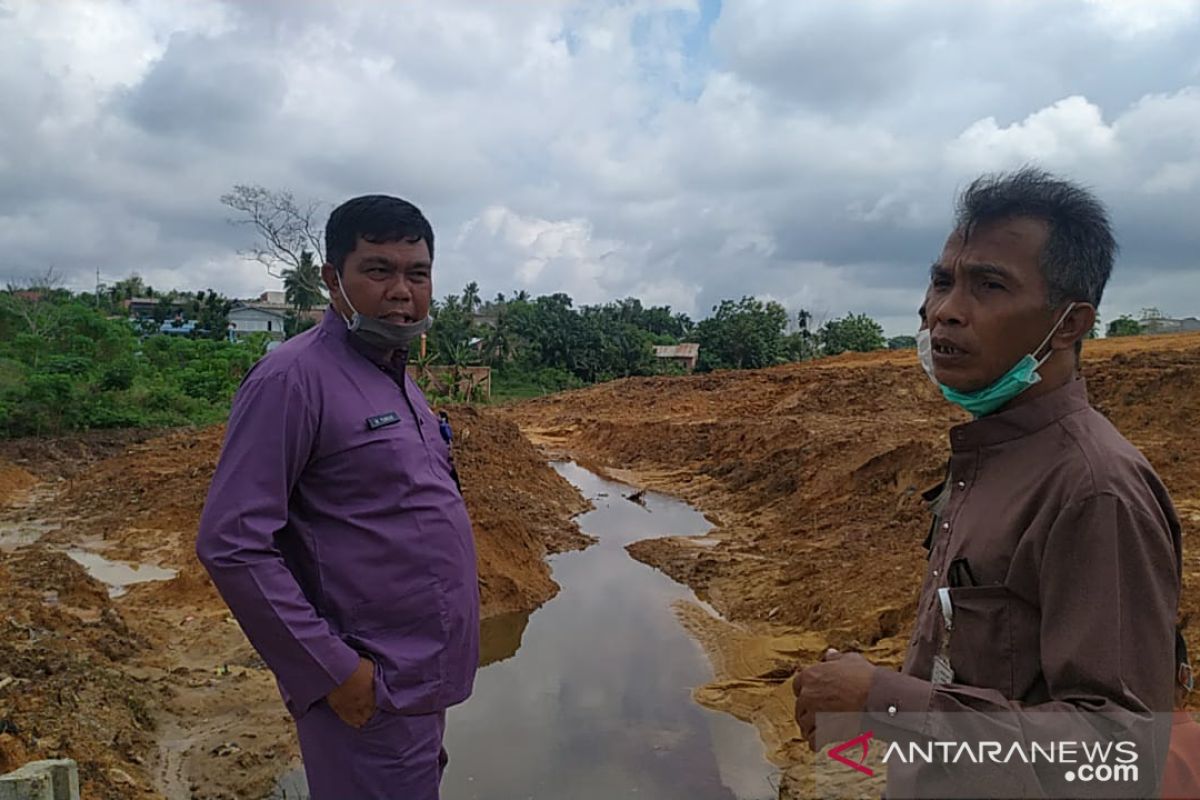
118	575
19	533
19	527
589	697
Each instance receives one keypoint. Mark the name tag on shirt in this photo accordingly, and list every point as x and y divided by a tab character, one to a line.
383	420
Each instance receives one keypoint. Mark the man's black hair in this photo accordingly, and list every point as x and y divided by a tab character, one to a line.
376	218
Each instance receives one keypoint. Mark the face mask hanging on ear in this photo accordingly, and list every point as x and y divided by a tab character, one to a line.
379	334
925	353
990	398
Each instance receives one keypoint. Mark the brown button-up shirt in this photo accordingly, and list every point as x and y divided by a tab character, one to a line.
1070	589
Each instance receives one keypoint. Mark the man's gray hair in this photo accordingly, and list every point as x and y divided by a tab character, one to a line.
1078	256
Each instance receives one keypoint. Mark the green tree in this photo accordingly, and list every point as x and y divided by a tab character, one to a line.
75	369
302	284
1124	325
902	343
130	287
163	310
212	313
452	329
744	335
800	346
856	332
470	297
499	341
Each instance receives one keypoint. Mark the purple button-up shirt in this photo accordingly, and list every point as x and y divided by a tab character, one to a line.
333	528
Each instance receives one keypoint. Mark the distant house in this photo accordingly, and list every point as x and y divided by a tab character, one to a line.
1164	325
267	314
686	354
486	319
144	307
245	319
277	301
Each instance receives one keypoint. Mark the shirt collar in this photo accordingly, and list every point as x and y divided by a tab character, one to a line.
334	324
1021	420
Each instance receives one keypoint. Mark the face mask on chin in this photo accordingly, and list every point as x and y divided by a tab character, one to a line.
987	400
379	334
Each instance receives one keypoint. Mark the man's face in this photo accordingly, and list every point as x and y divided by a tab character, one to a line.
391	281
986	302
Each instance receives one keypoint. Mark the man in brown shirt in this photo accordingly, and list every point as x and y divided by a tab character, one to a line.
1055	541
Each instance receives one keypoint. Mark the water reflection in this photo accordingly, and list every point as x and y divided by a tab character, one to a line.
589	698
597	702
118	575
500	637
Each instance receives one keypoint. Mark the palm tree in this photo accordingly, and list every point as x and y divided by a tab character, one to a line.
470	297
498	344
302	285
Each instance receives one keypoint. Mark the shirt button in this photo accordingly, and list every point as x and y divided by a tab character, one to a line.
945	526
935	573
962	484
891	711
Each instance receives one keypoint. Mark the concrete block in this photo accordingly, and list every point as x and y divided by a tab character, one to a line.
65	774
42	780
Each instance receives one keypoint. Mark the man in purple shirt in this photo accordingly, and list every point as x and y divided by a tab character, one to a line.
1054	558
333	527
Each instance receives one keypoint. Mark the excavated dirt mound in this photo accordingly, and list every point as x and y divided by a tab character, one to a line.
191	706
66	659
13	481
52	457
813	472
520	509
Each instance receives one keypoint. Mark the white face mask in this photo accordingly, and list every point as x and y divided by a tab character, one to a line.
379	334
925	353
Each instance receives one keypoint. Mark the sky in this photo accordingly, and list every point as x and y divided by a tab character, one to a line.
680	152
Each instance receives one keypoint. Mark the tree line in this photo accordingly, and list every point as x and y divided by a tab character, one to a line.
73	361
67	364
546	343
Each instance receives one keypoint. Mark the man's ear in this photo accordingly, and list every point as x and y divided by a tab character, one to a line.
1075	327
330	279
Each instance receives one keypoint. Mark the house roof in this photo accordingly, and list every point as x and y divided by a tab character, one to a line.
265	308
685	350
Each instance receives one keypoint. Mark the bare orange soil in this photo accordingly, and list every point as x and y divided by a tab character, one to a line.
813	472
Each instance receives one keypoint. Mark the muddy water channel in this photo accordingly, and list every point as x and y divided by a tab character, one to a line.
589	697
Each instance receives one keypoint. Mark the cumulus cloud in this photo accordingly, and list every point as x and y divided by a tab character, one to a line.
681	151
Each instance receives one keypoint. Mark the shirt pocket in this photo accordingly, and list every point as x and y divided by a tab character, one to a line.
405	634
981	653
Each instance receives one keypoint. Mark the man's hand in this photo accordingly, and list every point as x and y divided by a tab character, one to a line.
840	683
354	700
